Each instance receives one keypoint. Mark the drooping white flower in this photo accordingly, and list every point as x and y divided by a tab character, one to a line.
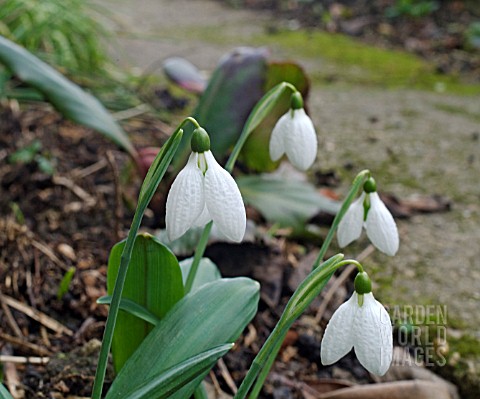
201	192
295	136
350	227
379	224
366	328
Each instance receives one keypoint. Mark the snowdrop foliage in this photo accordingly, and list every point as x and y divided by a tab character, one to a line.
295	136
204	191
370	212
361	323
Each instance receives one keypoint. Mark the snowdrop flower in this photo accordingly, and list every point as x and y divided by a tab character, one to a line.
294	135
204	191
370	212
361	323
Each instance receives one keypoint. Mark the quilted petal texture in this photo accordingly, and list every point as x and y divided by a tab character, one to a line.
280	130
224	201
301	144
185	200
381	228
339	335
350	227
294	134
366	328
373	331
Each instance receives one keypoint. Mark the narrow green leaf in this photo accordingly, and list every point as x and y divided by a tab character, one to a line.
154	281
4	394
201	392
161	163
207	272
287	202
264	107
65	283
258	114
171	380
65	96
213	315
298	302
133	308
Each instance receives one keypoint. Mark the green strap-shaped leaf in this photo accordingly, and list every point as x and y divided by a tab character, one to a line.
213	315
133	308
65	96
152	180
287	202
154	281
176	377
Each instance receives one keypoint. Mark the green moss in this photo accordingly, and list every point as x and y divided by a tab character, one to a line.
466	345
341	58
361	63
456	110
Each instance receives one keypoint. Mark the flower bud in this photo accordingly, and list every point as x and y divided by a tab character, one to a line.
200	141
296	100
362	283
370	186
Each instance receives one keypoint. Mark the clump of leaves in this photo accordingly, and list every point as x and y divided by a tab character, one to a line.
472	36
33	153
60	32
412	8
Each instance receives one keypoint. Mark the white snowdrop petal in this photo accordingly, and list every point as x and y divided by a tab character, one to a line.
373	336
224	201
381	228
185	200
203	219
350	227
301	142
277	138
339	335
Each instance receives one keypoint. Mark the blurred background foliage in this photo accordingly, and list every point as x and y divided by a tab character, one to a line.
62	33
68	36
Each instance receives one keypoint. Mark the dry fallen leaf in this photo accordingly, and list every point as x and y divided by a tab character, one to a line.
392	390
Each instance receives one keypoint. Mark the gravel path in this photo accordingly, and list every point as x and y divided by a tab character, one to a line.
416	143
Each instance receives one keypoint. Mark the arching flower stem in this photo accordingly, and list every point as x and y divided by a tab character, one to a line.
272	352
357	184
259	112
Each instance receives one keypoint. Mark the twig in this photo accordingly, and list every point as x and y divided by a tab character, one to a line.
41	317
12	380
23	359
49	253
131	112
28	282
339	281
84	172
216	385
37	349
226	375
10	319
89	200
44	335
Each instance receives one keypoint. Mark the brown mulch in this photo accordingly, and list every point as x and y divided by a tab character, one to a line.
51	222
